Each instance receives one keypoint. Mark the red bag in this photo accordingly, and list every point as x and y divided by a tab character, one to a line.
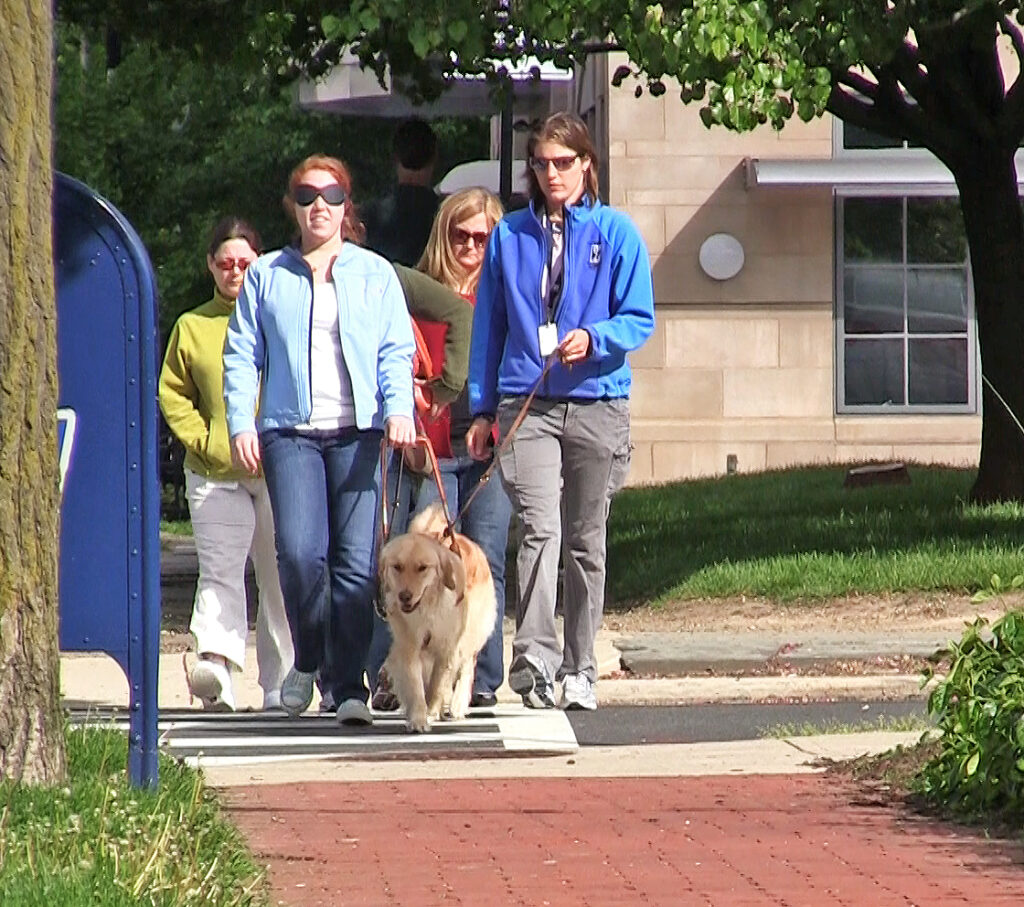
429	336
422	372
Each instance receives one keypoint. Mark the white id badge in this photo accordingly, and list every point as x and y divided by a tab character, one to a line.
547	337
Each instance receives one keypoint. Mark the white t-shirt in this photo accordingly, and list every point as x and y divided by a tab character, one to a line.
333	406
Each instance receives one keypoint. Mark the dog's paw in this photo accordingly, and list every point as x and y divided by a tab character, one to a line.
417	724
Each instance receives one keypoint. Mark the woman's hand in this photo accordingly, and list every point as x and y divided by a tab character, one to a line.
435	410
400	431
478	438
245	451
574	346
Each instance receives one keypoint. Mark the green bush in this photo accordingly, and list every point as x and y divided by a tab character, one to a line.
979	708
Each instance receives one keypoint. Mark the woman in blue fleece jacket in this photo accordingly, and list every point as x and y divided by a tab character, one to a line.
566	279
321	334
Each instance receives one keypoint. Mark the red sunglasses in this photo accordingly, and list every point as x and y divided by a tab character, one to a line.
229	264
463	237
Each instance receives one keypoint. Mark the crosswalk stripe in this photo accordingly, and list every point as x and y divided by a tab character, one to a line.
236	738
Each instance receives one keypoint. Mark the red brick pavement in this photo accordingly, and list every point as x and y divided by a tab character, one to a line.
800	841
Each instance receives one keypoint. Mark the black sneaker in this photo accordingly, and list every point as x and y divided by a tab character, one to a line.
529	681
483	700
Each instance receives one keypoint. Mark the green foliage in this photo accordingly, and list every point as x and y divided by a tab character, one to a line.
997	586
799	534
979	707
176	142
99	842
749	61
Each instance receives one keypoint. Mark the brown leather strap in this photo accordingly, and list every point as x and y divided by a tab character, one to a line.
384	531
423	441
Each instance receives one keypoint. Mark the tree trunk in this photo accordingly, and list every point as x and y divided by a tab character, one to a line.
992	218
31	726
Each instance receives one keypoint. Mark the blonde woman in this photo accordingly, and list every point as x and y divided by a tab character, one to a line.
453	257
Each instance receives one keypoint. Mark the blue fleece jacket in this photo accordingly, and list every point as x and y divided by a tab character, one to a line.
267	347
606	289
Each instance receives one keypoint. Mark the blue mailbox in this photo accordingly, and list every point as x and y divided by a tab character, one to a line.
110	507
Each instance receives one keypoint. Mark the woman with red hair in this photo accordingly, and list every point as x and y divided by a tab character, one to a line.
321	336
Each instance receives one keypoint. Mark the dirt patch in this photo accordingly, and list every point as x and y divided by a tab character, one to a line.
174	641
867	613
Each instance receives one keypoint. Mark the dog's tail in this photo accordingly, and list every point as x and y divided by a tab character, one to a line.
430	521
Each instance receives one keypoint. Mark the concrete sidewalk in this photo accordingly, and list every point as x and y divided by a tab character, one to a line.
89	679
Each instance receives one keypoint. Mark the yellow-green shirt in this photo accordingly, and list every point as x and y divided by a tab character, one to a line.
192	389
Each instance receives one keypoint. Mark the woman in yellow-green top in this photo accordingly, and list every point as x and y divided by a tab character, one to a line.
230	509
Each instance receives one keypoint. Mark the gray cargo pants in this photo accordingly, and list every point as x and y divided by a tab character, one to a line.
559	472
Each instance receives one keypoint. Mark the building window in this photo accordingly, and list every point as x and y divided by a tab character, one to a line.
905	321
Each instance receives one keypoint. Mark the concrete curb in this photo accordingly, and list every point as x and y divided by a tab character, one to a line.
770	756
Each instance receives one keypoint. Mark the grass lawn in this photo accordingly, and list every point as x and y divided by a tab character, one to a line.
799	535
99	842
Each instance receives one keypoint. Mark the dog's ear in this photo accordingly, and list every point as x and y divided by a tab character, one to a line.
453	573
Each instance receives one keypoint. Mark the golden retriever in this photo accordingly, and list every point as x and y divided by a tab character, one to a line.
439	600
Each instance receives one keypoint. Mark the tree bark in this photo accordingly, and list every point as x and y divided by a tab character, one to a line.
31	726
987	181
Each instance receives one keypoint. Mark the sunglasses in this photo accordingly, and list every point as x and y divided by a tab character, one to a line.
464	237
229	264
540	164
306	195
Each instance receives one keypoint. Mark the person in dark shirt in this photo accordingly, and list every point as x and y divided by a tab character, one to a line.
397	226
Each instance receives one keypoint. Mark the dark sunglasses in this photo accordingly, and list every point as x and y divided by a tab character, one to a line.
306	195
229	264
540	164
463	237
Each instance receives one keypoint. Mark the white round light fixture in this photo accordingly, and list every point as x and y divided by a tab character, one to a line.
721	256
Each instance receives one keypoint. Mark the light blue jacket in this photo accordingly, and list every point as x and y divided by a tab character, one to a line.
267	349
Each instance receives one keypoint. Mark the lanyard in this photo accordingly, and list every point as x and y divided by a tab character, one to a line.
554	280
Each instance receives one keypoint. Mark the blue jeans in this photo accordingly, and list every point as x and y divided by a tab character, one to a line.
324	490
486	523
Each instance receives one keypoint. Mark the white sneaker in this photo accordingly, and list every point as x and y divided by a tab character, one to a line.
210	681
578	693
272	701
354	712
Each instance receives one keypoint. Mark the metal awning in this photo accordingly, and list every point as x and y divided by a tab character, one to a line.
912	170
349	89
486	174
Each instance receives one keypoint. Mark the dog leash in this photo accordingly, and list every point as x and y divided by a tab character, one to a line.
424	441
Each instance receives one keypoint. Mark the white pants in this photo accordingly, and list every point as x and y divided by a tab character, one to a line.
232	521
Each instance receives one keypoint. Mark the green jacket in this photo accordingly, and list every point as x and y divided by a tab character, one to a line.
431	301
192	389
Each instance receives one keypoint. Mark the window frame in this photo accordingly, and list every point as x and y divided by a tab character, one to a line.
973	359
